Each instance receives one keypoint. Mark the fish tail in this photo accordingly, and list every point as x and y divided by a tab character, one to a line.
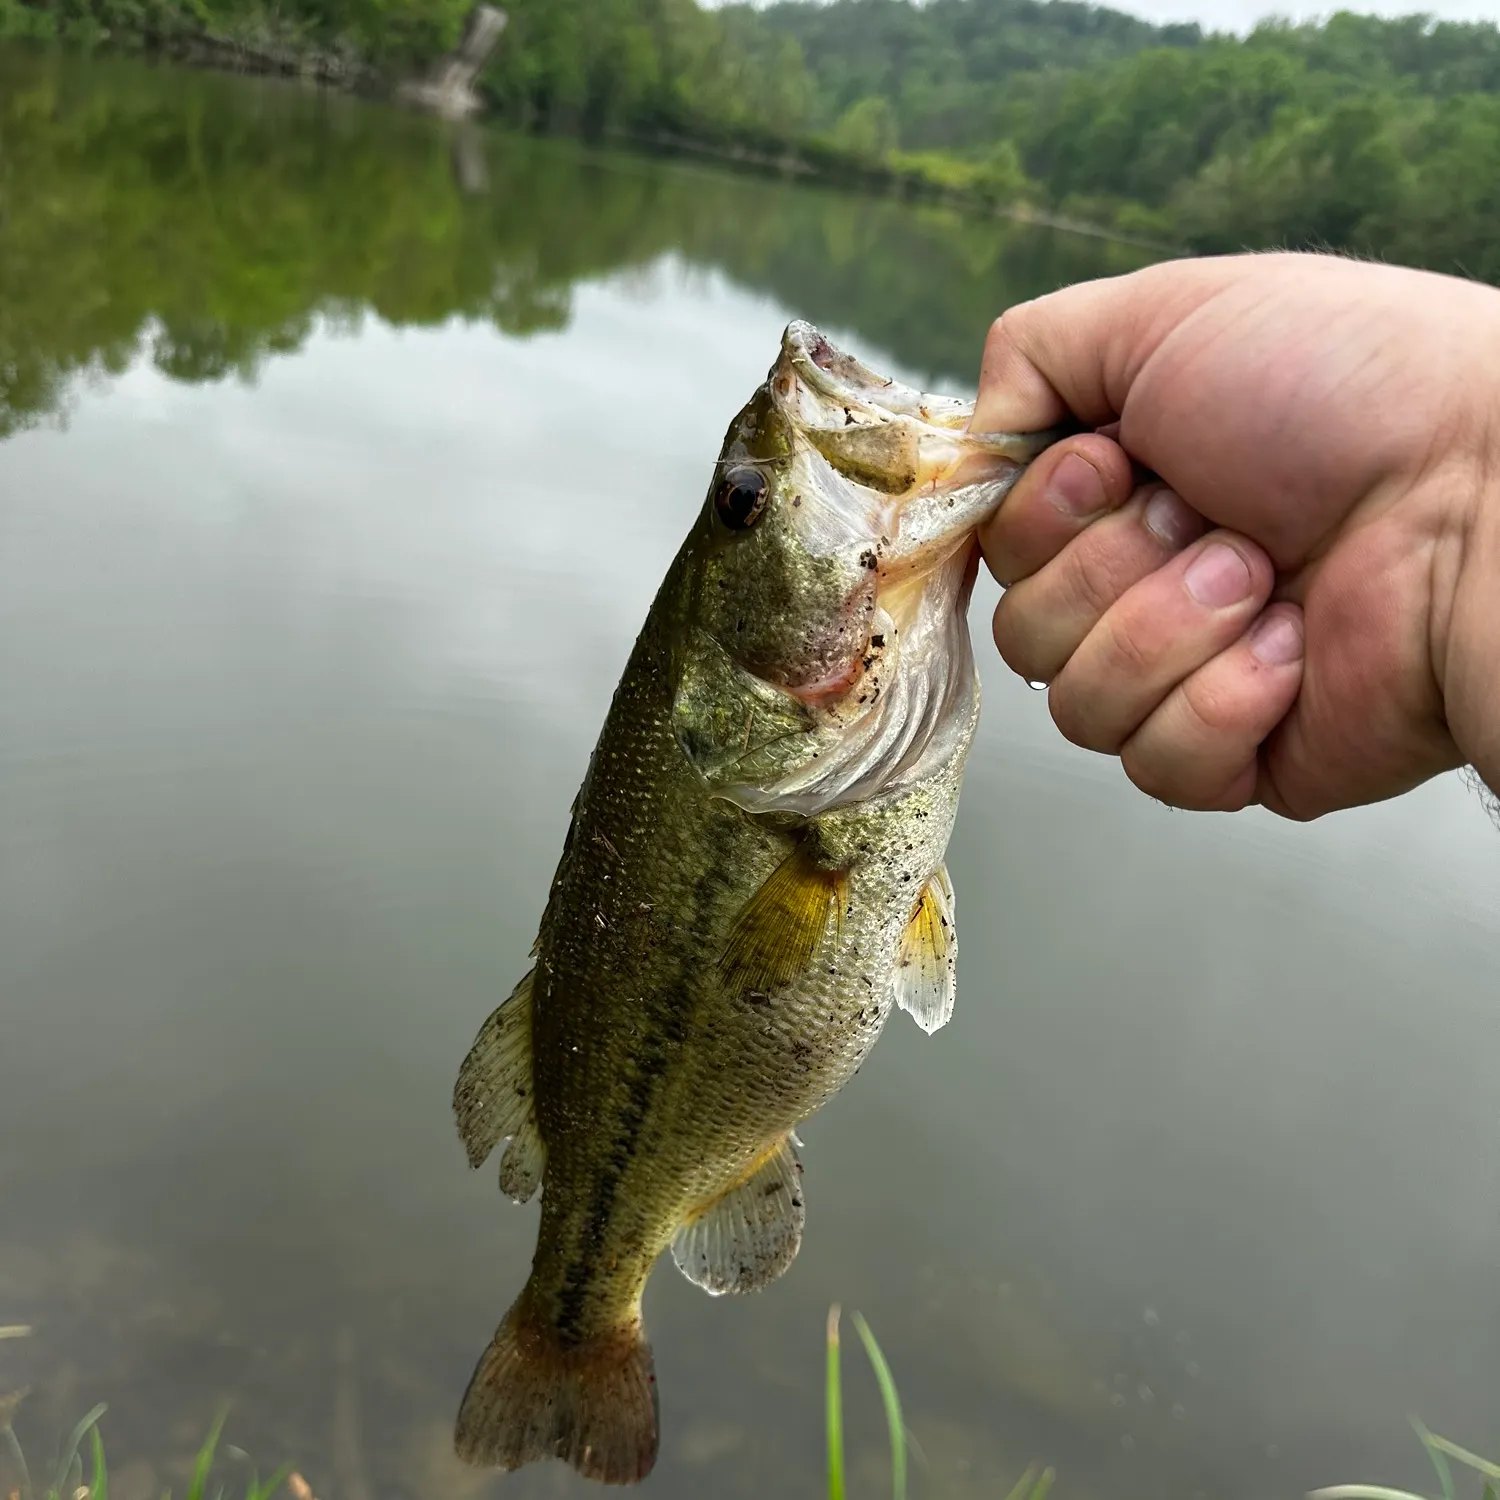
532	1396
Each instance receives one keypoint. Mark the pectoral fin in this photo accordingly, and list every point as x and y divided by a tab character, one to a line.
926	963
493	1097
746	1239
774	938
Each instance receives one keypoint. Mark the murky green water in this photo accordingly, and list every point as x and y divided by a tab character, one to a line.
344	456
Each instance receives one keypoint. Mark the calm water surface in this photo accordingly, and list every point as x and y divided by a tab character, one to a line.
344	455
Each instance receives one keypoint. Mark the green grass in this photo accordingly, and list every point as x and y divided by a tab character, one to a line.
70	1474
1033	1484
1439	1450
70	1469
1036	1482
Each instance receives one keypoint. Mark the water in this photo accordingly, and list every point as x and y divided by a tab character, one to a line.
345	455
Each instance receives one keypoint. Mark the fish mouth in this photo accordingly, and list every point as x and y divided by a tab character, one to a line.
836	379
919	483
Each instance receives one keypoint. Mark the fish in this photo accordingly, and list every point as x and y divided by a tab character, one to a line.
752	879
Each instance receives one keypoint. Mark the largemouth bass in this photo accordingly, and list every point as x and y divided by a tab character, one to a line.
752	879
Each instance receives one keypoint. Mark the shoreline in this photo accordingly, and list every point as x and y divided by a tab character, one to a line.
811	161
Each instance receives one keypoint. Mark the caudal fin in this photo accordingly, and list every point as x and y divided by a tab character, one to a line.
532	1397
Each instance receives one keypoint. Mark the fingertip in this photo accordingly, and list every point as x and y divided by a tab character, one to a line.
1202	747
1234	794
1278	637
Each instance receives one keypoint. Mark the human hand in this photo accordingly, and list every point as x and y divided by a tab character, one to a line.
1275	577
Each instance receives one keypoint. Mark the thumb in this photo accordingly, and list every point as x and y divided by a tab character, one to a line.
1077	351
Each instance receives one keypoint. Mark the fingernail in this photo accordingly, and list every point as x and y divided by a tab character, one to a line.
1218	577
1277	639
1172	520
1075	487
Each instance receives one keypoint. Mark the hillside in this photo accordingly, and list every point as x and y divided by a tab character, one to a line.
1379	136
944	66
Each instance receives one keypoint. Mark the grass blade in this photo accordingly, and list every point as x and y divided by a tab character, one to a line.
1361	1492
205	1460
19	1458
892	1402
1023	1485
835	1407
1439	1462
1031	1485
70	1451
99	1481
274	1483
1470	1460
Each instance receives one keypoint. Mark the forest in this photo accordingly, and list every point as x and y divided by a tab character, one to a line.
1380	137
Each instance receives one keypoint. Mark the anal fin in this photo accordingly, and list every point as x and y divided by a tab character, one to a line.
774	938
748	1237
927	961
494	1098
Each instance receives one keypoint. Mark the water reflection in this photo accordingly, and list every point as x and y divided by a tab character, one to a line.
211	223
1197	1195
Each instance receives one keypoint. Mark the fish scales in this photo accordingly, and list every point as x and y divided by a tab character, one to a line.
753	878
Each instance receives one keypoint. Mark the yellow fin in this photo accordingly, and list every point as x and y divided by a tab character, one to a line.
927	961
774	938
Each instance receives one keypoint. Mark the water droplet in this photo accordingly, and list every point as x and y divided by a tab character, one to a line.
1191	1367
1127	1442
1145	1392
1117	1399
1150	1317
1037	687
1179	1410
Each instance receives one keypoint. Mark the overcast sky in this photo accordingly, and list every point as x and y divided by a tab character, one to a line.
1241	15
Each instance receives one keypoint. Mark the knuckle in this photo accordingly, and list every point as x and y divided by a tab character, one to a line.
1074	722
1131	651
1092	580
1216	709
1008	326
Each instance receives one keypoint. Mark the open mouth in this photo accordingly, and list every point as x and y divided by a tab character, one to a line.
927	480
839	382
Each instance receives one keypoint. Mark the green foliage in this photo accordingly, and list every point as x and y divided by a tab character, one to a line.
204	223
944	65
1378	135
71	1477
867	128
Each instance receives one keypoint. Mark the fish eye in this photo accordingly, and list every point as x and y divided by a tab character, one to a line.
740	497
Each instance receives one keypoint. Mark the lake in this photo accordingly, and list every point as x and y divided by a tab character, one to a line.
343	452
